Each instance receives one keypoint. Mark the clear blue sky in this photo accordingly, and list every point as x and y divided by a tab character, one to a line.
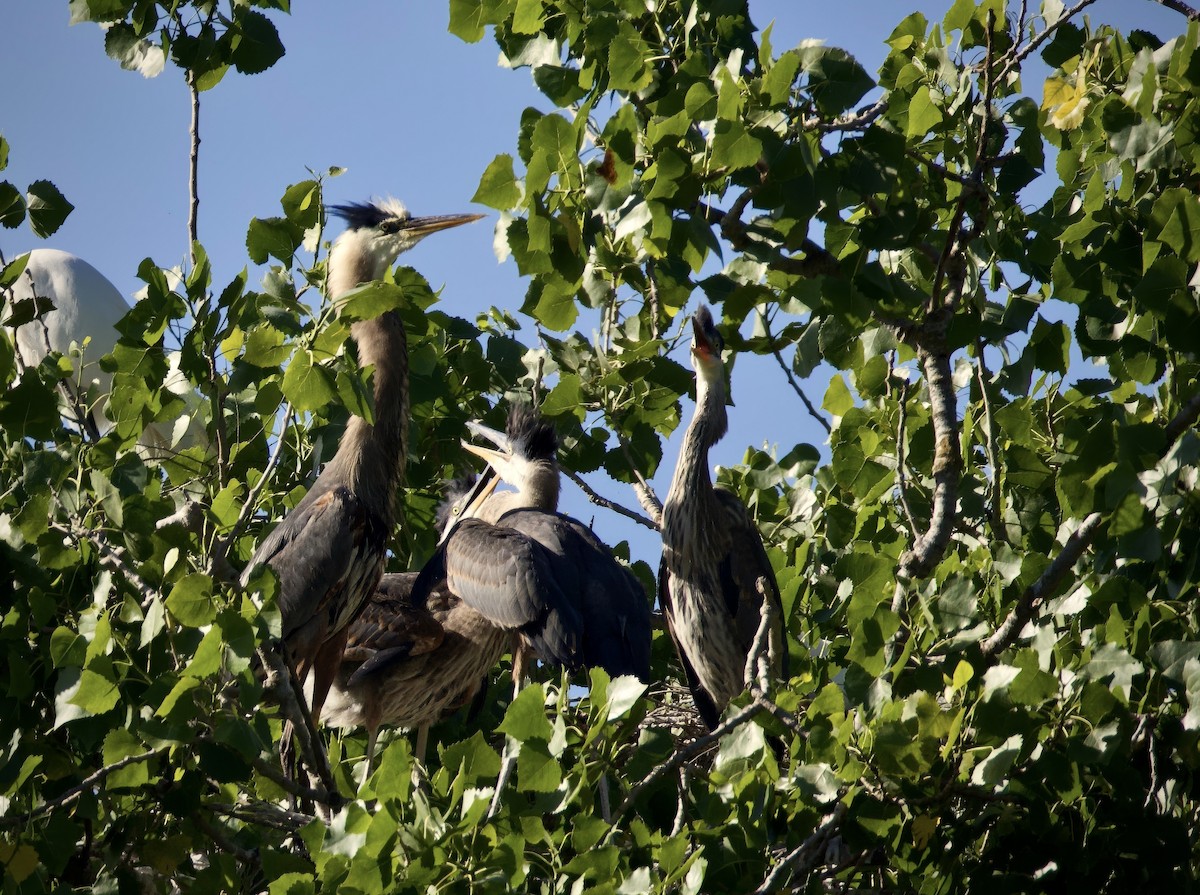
377	87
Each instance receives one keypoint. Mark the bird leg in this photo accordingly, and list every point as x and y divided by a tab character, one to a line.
299	728
418	768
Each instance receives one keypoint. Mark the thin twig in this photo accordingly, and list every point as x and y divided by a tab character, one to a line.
1074	547
681	756
66	798
221	548
901	450
111	557
194	170
806	855
608	504
1018	54
808	405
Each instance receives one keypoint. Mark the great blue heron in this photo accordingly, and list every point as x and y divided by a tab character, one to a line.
712	554
82	326
507	564
328	553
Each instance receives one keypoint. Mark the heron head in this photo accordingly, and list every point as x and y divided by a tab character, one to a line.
525	454
376	233
707	344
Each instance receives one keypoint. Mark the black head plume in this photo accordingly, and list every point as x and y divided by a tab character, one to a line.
369	215
532	437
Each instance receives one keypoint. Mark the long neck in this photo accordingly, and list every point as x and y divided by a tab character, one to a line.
539	491
371	456
709	423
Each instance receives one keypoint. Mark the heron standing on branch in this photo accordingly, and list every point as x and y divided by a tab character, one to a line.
328	553
713	555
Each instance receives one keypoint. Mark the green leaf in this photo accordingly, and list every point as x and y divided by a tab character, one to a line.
923	114
734	147
369	301
537	769
12	206
48	208
273	238
467	19
623	694
307	385
526	716
67	647
97	694
257	46
122	43
627	54
191	600
499	187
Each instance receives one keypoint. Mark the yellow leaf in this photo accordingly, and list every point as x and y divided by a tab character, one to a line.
1067	102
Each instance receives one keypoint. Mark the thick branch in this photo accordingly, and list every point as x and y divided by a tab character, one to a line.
947	460
816	261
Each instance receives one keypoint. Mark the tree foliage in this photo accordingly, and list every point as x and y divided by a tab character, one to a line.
989	572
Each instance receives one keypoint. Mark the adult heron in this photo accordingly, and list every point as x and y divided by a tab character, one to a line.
507	565
328	553
713	555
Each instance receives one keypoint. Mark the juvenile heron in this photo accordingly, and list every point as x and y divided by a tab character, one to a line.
328	553
507	565
712	554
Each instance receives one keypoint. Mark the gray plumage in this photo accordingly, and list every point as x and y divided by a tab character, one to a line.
328	553
712	554
508	564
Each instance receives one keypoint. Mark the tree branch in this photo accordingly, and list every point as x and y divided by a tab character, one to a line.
817	261
66	798
1182	8
681	756
1079	541
194	169
806	855
928	549
812	411
608	504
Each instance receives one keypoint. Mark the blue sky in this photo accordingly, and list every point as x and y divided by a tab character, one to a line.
380	88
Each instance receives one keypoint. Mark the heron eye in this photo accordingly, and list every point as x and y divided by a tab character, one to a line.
391	225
